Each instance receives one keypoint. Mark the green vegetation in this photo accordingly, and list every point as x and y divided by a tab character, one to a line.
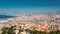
8	30
37	32
11	31
41	32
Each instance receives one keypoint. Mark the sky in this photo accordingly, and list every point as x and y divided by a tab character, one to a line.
14	7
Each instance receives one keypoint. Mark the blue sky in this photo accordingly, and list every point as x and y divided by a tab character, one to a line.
29	3
12	7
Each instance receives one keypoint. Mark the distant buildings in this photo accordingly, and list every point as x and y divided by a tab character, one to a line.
37	22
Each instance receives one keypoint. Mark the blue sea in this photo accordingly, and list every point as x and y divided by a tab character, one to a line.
26	10
6	16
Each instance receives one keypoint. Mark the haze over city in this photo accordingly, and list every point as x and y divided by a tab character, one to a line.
16	7
29	16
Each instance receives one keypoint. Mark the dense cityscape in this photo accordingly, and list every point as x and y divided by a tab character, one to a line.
29	16
31	24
